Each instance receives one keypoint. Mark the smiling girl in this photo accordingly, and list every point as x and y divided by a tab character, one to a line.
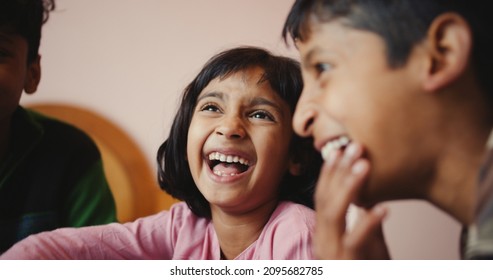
245	178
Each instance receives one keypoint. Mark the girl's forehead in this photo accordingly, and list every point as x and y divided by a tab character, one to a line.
241	82
247	75
247	87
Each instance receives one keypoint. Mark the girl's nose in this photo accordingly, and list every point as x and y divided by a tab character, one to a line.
231	128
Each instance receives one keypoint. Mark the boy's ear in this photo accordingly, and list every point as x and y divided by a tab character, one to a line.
33	76
449	41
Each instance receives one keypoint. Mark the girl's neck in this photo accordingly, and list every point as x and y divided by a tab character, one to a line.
236	232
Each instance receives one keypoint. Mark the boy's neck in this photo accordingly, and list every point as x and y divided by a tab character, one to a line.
237	232
4	137
465	132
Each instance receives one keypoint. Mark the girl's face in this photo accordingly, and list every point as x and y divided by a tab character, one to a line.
238	142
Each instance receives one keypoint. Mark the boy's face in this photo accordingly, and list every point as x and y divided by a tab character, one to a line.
238	142
351	91
16	75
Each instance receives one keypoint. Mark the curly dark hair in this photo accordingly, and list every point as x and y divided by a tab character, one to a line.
400	23
284	77
25	18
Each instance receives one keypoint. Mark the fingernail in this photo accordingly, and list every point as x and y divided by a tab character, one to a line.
351	150
358	167
330	158
380	210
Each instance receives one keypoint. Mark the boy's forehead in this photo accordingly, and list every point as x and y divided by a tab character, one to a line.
334	35
5	30
6	37
320	36
8	32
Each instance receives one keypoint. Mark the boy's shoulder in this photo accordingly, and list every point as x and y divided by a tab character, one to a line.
38	137
54	132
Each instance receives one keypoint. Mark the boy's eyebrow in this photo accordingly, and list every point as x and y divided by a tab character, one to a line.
309	55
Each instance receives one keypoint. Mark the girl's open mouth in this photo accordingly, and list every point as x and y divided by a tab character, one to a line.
227	165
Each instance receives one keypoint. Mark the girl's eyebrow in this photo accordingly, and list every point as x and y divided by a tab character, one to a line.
264	101
254	101
215	94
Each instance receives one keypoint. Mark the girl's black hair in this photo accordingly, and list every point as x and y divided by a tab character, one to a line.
284	77
400	23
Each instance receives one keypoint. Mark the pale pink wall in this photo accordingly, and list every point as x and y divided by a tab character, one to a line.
129	60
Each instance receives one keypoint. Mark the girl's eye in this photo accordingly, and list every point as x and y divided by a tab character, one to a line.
210	108
263	115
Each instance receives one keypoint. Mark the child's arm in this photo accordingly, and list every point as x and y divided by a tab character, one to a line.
143	239
341	178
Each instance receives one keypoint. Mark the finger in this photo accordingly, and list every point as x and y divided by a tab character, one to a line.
366	240
333	198
341	163
339	168
334	195
353	152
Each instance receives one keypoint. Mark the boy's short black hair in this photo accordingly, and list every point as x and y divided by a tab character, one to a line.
284	77
25	18
400	23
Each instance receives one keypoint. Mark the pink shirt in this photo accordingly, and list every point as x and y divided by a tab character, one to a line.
175	234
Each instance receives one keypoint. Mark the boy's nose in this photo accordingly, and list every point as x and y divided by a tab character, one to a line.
304	116
231	127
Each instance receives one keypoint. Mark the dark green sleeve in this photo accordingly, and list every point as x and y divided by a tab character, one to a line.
91	201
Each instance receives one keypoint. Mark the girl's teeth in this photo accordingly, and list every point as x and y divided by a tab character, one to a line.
219	173
227	158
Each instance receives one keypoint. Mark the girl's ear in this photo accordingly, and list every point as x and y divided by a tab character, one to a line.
449	42
33	76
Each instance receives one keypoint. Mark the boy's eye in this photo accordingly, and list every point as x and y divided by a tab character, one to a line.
262	115
320	68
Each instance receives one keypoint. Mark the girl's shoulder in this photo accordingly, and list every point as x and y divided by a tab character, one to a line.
287	235
293	215
290	209
180	214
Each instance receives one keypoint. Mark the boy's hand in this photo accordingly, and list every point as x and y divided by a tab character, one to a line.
341	177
